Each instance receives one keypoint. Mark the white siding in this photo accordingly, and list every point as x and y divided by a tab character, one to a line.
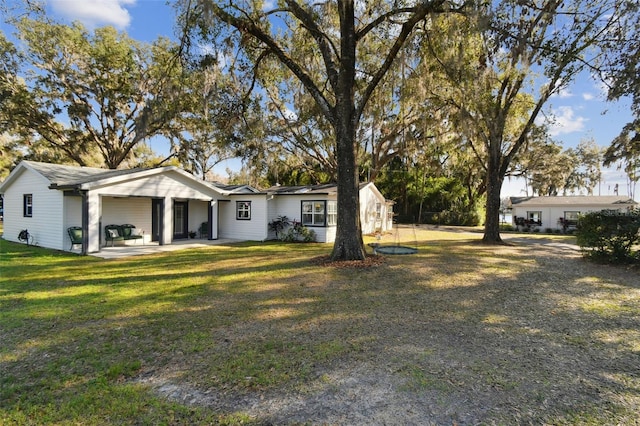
72	217
198	213
46	224
133	210
370	201
172	185
72	211
254	229
291	207
550	215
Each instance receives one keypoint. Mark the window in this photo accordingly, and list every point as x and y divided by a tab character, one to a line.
534	217
243	210
27	206
313	213
378	211
571	216
332	213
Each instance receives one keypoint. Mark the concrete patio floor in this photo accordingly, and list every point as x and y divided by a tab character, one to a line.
120	251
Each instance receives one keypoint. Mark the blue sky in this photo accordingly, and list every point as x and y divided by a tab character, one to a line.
580	111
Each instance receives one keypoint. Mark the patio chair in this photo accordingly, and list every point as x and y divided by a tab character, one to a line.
204	230
129	232
113	233
75	234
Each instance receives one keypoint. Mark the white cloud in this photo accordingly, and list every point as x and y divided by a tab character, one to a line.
563	94
588	96
563	120
269	5
95	13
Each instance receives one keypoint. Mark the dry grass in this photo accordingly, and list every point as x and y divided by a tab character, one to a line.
458	333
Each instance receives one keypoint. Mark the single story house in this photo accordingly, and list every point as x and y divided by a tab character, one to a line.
315	206
562	212
163	204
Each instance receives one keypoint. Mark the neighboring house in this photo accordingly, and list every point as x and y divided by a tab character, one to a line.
315	206
563	212
165	204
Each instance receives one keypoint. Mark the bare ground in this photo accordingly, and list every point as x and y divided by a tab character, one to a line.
523	334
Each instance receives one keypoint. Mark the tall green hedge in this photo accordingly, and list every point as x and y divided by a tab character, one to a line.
610	236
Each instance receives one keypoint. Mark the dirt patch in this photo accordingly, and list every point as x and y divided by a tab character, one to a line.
370	261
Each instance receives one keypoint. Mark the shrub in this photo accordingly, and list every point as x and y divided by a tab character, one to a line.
609	236
459	218
288	230
298	232
278	225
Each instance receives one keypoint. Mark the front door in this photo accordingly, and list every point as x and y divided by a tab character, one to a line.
180	220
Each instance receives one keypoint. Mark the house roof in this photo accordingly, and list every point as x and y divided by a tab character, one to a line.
86	178
64	175
329	188
235	189
324	189
574	200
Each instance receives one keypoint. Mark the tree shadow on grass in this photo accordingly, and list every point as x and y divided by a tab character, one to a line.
456	333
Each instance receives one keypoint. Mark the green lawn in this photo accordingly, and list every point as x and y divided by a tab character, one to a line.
533	333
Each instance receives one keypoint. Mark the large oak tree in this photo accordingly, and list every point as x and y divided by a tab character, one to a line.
334	35
89	93
504	64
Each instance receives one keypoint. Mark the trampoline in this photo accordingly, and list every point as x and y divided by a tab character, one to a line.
396	248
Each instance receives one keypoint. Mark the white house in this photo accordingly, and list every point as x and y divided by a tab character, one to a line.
315	207
563	212
164	204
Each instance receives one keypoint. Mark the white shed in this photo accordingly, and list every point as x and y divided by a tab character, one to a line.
563	212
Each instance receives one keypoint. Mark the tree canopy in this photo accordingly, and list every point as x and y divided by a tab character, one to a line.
322	45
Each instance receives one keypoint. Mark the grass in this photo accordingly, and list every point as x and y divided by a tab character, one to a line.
527	333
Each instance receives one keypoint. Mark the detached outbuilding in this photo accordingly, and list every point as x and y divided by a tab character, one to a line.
161	205
563	212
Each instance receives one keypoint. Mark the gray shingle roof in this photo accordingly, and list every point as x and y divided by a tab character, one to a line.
63	175
574	200
327	188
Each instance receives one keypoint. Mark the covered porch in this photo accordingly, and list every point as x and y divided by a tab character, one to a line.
156	221
164	207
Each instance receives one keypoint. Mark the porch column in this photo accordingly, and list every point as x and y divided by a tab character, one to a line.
84	222
90	222
213	219
166	233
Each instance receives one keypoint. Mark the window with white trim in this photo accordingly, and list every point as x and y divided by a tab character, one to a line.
313	213
571	216
332	213
535	217
27	205
243	210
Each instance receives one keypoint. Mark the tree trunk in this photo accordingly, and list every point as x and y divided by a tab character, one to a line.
492	215
348	244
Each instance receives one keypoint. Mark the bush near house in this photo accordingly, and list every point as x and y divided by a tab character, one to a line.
610	236
291	230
